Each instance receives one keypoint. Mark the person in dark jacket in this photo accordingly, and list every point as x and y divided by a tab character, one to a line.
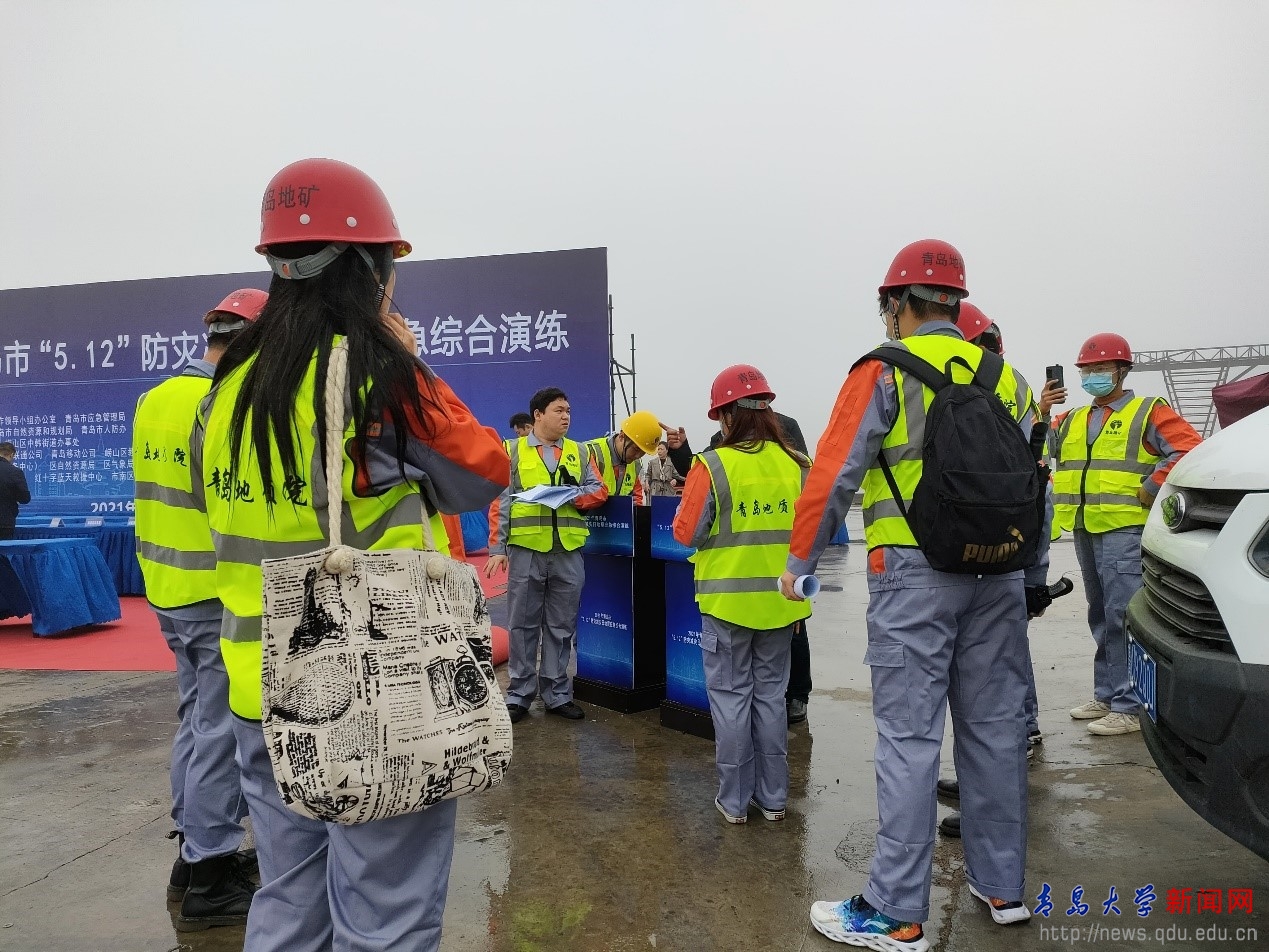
798	694
13	490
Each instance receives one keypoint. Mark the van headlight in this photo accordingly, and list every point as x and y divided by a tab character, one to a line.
1259	552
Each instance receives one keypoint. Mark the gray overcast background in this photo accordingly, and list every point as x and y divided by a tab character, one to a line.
751	167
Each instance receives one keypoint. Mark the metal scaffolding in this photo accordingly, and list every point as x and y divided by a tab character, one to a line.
617	374
1190	375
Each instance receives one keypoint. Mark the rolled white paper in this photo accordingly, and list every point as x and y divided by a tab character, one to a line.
805	586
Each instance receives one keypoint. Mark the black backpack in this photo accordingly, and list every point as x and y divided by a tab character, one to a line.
978	508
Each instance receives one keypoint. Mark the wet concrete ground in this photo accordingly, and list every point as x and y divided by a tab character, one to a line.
605	837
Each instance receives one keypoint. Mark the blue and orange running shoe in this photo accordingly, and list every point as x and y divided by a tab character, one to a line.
855	922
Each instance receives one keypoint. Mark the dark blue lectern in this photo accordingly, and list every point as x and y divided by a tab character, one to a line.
686	704
621	623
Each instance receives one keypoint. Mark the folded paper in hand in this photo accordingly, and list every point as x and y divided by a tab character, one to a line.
551	496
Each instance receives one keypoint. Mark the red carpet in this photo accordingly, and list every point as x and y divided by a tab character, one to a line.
134	643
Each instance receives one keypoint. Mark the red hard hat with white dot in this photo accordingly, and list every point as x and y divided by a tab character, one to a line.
324	200
928	263
245	303
1104	346
740	382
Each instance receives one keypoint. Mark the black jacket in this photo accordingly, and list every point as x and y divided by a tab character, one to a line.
682	457
13	491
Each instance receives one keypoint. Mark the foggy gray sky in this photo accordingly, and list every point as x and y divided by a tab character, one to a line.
751	167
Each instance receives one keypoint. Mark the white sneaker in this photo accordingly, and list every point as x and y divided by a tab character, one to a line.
773	815
1116	722
728	817
1093	709
1004	913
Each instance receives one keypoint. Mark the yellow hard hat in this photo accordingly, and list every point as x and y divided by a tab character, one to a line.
644	430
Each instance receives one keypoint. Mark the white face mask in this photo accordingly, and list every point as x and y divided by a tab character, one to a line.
1098	384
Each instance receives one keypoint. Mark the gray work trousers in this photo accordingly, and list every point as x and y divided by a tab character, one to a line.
1111	565
544	592
746	673
325	887
935	641
1031	702
207	800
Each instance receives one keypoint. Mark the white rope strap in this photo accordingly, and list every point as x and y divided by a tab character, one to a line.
341	560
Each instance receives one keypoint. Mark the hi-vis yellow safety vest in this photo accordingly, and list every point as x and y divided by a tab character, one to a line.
532	525
738	565
245	532
174	545
1103	479
884	523
601	452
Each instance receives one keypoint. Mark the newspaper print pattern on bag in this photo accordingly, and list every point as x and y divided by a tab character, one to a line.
379	694
378	701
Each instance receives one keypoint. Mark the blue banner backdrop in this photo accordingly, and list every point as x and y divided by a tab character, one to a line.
74	359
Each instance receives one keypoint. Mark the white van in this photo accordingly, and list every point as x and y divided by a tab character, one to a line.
1198	631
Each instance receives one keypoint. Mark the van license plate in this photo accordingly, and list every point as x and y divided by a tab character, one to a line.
1141	669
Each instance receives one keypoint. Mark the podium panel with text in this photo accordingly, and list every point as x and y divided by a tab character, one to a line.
621	622
686	704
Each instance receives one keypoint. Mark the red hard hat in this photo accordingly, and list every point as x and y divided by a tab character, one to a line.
932	263
1101	347
326	200
971	321
245	303
739	382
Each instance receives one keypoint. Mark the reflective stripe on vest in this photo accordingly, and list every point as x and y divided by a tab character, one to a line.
174	545
532	525
884	523
601	452
1103	479
738	565
245	533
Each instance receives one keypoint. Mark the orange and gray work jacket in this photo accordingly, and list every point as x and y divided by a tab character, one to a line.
593	492
1155	438
866	410
620	478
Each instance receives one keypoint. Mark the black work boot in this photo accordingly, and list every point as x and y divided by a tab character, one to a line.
219	894
179	881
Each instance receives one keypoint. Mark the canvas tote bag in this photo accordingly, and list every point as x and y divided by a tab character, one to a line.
379	695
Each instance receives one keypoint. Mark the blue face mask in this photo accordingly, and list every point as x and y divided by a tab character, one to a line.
1099	385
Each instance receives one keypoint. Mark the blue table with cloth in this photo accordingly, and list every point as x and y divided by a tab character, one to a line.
60	583
116	542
